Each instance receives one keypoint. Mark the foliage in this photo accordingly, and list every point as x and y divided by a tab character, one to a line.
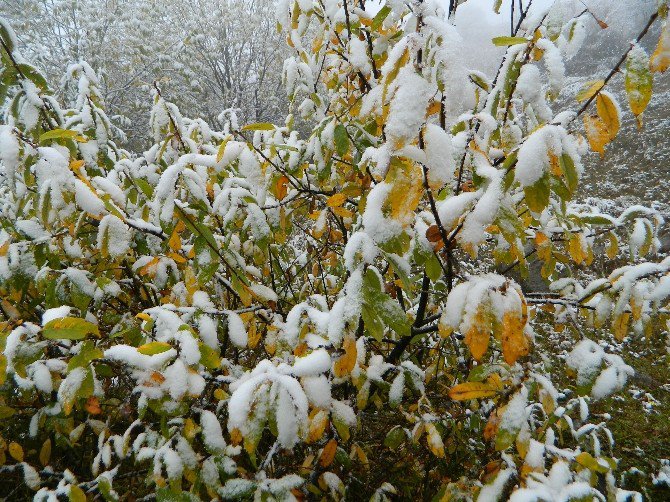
236	313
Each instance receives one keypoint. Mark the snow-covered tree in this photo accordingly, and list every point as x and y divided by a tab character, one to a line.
203	52
246	311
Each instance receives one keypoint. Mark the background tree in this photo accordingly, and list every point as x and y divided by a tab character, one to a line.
201	52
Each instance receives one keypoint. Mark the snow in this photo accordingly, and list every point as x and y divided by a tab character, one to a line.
55	313
236	330
129	355
439	159
612	378
313	364
411	94
318	391
662	478
212	434
554	64
87	200
533	158
377	226
358	56
396	391
515	411
115	235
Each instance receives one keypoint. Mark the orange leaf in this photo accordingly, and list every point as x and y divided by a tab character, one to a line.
597	133
93	406
477	337
282	187
514	341
328	453
347	361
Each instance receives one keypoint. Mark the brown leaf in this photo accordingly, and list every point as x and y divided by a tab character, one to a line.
433	233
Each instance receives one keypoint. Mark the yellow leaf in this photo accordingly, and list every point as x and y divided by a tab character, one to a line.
596	133
16	451
620	326
514	341
609	113
660	59
177	257
175	239
45	453
589	89
4	248
405	194
576	248
358	451
235	436
472	390
347	361
76	164
433	108
434	441
152	348
613	246
477	337
317	426
342	212
77	494
328	453
253	335
336	200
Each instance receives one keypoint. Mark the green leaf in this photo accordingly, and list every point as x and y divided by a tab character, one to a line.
209	357
505	438
387	309
570	171
503	41
59	134
373	325
479	82
537	195
69	328
639	81
433	268
87	353
341	140
6	411
394	438
594	219
260	126
379	17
